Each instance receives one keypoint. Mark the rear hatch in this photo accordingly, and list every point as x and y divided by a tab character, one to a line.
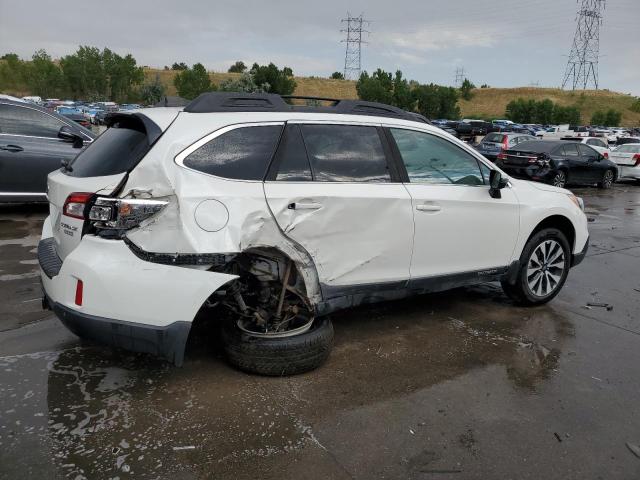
100	169
493	142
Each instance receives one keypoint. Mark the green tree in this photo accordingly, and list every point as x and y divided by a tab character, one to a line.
337	76
238	67
179	66
609	118
570	115
598	118
376	88
244	84
193	81
84	73
635	106
466	89
543	112
43	77
436	101
152	92
278	81
122	74
12	73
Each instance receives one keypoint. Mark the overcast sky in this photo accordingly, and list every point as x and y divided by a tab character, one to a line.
503	43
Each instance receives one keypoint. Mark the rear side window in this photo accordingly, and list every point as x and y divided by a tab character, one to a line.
570	150
241	154
345	153
27	121
587	152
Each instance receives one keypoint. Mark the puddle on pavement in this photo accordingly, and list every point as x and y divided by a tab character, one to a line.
93	412
10	229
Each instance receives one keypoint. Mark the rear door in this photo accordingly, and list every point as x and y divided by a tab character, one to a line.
577	165
459	228
29	150
593	169
332	189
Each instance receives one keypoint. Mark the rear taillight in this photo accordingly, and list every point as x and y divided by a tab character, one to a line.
505	143
502	155
636	158
123	213
605	155
79	288
76	204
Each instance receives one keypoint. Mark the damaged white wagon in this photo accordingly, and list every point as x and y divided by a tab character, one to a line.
265	217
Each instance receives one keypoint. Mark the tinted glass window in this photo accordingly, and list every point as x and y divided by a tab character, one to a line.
117	150
494	138
345	153
291	158
628	149
28	121
596	143
430	159
570	150
242	153
587	152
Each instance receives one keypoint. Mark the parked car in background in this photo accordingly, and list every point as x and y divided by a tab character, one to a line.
559	163
614	135
129	106
625	140
627	157
34	142
33	99
494	144
598	144
74	114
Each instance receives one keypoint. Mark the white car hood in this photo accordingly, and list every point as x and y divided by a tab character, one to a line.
539	186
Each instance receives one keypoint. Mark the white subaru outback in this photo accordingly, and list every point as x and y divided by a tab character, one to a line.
264	217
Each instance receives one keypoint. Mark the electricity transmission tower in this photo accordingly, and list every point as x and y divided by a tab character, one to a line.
582	66
459	76
353	53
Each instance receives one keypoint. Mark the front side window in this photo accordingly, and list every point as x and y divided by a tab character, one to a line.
15	120
345	153
241	154
431	159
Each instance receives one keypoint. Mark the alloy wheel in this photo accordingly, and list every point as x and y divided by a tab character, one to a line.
607	180
545	268
560	179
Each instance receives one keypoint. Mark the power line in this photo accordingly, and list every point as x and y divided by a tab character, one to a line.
459	76
353	52
582	66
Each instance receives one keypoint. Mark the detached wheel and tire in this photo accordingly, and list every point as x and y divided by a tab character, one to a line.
559	179
608	178
544	266
278	354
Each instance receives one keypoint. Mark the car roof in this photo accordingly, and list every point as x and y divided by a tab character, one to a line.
539	145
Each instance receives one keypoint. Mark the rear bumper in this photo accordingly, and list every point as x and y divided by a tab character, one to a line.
166	342
528	172
625	171
126	302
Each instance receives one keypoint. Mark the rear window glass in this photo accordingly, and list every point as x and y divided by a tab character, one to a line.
494	138
345	153
628	149
116	151
240	154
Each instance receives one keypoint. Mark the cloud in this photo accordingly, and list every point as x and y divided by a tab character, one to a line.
434	38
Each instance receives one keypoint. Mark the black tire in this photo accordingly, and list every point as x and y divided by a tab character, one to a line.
560	179
608	179
520	291
278	356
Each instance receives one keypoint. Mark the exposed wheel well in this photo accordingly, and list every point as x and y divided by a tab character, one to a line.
561	223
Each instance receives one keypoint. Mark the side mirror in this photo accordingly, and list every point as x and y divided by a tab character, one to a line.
496	183
68	135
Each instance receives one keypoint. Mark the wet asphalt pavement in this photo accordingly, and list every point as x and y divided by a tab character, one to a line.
457	385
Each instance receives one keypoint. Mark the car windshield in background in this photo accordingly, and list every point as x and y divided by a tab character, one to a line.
494	138
115	151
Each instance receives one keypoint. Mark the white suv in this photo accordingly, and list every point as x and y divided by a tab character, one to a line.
264	217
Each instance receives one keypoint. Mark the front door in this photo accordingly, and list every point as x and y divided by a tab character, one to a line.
459	228
332	189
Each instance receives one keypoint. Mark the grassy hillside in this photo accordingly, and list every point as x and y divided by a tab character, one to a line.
491	102
486	102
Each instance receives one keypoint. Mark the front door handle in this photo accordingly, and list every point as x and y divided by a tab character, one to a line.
428	207
11	148
304	206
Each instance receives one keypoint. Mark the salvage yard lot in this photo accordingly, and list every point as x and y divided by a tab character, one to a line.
455	385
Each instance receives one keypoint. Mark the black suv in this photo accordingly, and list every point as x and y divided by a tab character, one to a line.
559	163
34	142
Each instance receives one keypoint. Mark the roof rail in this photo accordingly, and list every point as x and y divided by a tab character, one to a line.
270	102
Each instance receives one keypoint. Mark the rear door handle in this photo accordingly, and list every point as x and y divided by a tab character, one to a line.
428	207
11	148
304	206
